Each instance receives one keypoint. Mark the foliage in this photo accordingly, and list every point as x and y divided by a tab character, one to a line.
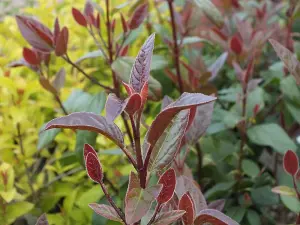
212	158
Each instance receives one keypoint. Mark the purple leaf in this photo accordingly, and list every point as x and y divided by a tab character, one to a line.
217	205
42	220
166	218
215	68
201	122
138	202
141	68
93	167
213	217
106	211
59	80
91	122
163	119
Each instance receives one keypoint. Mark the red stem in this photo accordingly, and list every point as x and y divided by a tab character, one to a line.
176	51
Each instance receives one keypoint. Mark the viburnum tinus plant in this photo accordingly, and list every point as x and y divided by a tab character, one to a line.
153	157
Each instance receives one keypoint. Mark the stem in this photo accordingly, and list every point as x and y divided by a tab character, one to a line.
92	79
176	52
157	209
112	203
30	182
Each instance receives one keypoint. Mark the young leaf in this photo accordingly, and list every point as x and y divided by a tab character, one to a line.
91	122
236	45
42	220
288	58
217	205
214	217
138	16
290	162
168	180
168	144
93	167
163	119
167	218
59	80
141	68
35	33
79	17
186	204
62	42
31	57
88	149
138	202
106	211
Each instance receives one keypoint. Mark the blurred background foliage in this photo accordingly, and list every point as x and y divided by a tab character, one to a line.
42	172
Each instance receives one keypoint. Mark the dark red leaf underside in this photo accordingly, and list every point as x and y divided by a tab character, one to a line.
168	180
93	167
290	162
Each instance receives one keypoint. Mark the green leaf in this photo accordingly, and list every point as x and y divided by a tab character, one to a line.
89	55
236	213
291	203
250	168
264	196
46	137
284	190
17	209
271	135
253	217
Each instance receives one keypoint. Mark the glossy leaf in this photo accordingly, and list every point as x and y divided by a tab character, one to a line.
42	220
138	16
93	167
141	68
105	211
236	45
35	33
30	56
186	204
167	218
213	217
168	180
59	80
288	58
88	121
138	202
163	119
79	17
62	42
290	162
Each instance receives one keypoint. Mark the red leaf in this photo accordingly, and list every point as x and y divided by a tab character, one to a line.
215	217
62	42
106	211
88	121
35	33
42	220
88	9
79	17
290	162
141	68
236	45
30	56
56	30
93	167
88	149
138	16
168	180
186	204
134	104
124	23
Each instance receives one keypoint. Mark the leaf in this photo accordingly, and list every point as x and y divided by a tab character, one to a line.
288	58
213	217
89	55
90	122
42	220
46	137
93	167
271	135
284	190
201	122
138	202
217	205
236	45
141	68
30	56
165	149
167	218
253	217
35	33
250	168
62	42
290	162
186	204
79	17
215	68
185	184
105	211
138	16
211	11
59	80
168	180
163	119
